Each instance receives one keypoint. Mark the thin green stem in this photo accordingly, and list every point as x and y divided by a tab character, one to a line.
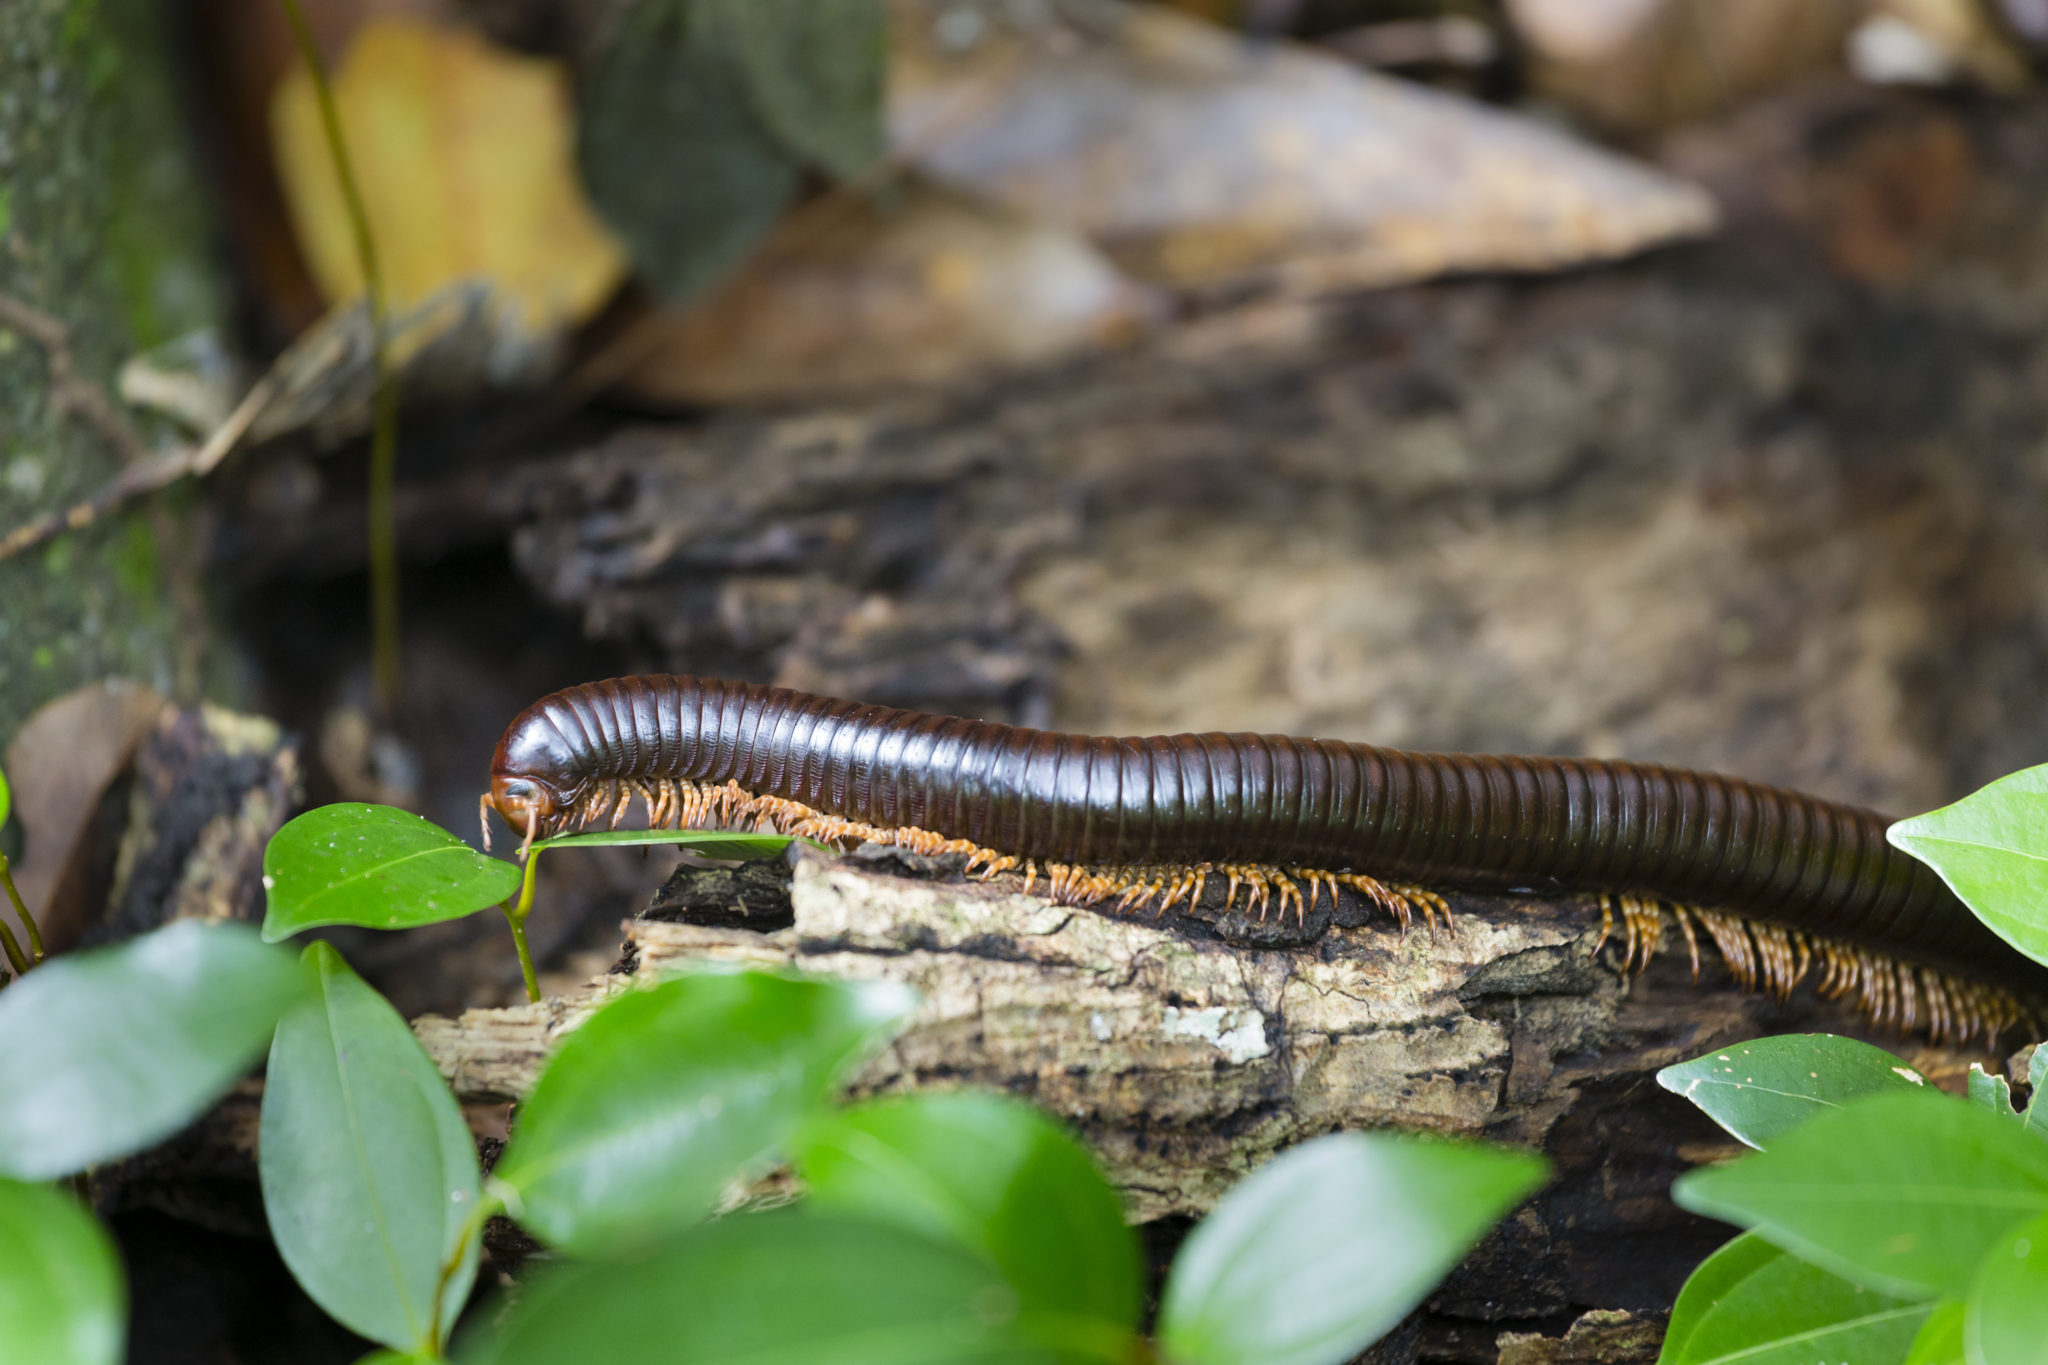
382	510
515	915
525	957
28	921
13	949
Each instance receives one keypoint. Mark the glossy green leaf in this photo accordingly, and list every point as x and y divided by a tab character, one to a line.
997	1176
1320	1252
1902	1193
1752	1303
765	1289
6	798
369	1172
672	147
1991	1093
666	1094
111	1050
2037	1083
1764	1089
62	1301
2005	1321
1991	847
814	72
375	866
1940	1341
708	843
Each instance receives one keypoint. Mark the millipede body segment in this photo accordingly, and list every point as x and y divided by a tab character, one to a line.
1785	885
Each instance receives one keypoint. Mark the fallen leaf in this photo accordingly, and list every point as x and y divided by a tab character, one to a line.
463	155
1935	42
1641	65
1203	160
61	763
921	288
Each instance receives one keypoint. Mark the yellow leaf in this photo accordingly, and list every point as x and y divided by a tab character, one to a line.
464	155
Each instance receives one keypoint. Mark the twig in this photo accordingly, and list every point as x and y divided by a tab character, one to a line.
382	509
144	475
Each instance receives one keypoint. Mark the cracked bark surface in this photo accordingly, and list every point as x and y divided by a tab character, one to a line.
1192	1049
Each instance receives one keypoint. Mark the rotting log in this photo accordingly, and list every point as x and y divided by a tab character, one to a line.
1190	1050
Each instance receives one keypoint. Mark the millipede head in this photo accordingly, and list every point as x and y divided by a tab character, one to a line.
528	805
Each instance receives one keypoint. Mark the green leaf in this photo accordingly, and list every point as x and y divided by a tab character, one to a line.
6	798
2037	1082
2005	1321
1761	1090
1902	1193
666	1094
369	1173
815	70
1941	1337
1318	1254
61	1296
1752	1303
781	1287
1991	847
995	1175
672	149
131	1043
376	866
708	843
1992	1093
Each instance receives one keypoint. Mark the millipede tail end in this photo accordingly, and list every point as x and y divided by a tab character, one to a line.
1890	994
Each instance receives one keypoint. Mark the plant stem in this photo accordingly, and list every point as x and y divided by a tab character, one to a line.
382	510
515	915
14	957
28	921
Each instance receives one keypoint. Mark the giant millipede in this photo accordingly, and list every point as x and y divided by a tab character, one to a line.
1785	885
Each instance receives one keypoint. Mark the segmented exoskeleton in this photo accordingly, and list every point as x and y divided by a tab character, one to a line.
1785	885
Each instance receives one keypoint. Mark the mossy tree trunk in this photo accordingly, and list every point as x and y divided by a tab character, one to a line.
103	228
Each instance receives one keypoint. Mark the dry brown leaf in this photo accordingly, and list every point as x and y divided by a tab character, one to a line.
922	288
1203	160
61	763
1958	38
464	156
1640	65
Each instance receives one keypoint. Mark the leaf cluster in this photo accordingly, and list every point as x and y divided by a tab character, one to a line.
933	1227
1889	1224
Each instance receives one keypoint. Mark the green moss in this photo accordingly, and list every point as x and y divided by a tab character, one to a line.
134	561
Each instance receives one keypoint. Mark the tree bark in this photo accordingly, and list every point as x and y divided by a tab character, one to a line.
105	237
